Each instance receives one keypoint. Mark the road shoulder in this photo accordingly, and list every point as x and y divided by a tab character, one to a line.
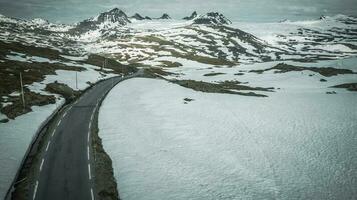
105	183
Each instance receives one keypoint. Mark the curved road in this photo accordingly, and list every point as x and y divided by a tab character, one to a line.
65	169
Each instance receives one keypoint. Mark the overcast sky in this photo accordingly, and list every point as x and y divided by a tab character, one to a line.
70	11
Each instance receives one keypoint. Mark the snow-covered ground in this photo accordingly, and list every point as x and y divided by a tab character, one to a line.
291	145
16	135
297	143
15	138
334	33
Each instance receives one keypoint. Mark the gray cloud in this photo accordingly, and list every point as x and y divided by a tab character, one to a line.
69	11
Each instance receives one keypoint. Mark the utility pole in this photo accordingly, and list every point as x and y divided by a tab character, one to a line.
102	67
22	92
76	80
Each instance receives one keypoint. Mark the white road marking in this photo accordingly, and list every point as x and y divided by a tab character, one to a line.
89	173
35	190
48	145
65	113
59	122
90	125
53	133
88	135
43	160
91	193
88	152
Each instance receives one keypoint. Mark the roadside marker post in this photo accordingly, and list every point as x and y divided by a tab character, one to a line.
76	80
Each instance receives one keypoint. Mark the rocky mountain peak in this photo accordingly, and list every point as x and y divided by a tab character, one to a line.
137	16
109	19
212	18
193	16
165	16
112	16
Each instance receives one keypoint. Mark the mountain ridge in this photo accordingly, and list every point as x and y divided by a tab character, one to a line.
109	19
212	18
191	17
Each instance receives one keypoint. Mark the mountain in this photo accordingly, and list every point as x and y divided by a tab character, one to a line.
213	18
165	16
193	16
112	18
137	16
207	37
40	48
39	21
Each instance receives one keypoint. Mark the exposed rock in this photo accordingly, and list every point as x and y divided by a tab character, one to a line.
137	16
324	71
165	16
4	120
193	16
59	88
112	18
228	87
349	86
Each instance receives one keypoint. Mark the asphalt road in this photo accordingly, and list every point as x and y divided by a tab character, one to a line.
65	171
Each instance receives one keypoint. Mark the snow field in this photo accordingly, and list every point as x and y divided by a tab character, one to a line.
292	145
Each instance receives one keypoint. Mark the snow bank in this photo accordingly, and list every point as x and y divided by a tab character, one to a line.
288	146
15	138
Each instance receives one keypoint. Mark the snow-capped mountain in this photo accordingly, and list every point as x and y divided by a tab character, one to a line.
210	36
165	16
326	38
193	16
137	16
110	19
148	18
37	23
213	18
37	33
